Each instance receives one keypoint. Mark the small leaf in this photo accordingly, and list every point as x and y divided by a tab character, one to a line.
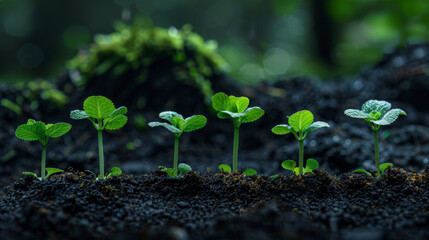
390	117
78	115
354	113
171	172
31	121
169	127
115	171
250	172
51	171
316	125
119	111
362	171
296	171
252	114
232	114
375	105
116	122
289	165
91	172
282	129
169	116
385	166
242	103
178	122
274	176
225	168
220	101
301	120
27	132
32	174
184	168
223	115
98	107
194	123
310	165
57	130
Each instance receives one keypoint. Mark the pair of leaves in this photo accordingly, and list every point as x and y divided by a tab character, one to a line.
102	109
33	131
377	112
383	168
311	165
301	121
227	169
183	168
178	124
231	107
114	171
49	172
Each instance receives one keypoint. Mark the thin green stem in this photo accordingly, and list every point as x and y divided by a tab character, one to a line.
301	157
176	152
101	153
377	155
43	166
235	153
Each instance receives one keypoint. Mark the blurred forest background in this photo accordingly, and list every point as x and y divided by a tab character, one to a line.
259	39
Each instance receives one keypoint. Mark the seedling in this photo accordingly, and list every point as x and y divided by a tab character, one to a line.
300	124
103	115
227	169
114	171
235	108
39	131
183	168
178	125
376	114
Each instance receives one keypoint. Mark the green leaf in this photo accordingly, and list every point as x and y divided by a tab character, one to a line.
316	125
310	165
184	168
98	107
178	122
58	129
31	121
119	111
241	103
282	129
115	171
194	123
225	168
252	114
362	171
296	171
171	172
116	122
354	113
223	115
289	165
169	127
385	166
301	120
169	116
27	132
232	114
220	101
390	117
32	174
250	172
274	176
91	172
51	171
78	115
375	105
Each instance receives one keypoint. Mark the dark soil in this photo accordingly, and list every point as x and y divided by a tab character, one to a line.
350	206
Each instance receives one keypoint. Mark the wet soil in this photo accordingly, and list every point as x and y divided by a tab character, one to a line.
349	206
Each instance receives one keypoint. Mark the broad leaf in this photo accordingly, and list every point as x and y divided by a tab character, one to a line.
301	120
316	125
385	166
32	174
233	115
98	107
57	129
250	172
354	113
252	114
115	171
27	132
194	123
184	168
178	122
375	105
282	129
311	165
242	103
169	115
78	115
390	117
225	168
362	171
51	171
289	164
220	101
169	127
116	122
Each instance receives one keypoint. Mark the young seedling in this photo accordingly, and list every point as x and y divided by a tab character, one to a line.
300	124
376	114
178	125
103	115
183	168
227	169
235	108
39	131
